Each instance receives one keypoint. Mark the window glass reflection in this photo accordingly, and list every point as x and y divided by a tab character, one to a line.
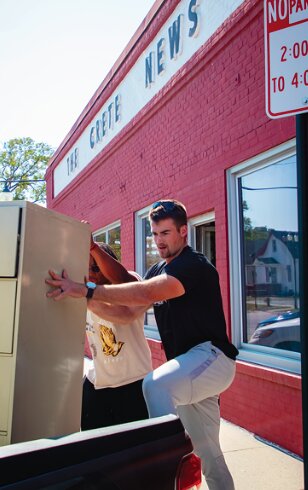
150	257
205	240
270	256
114	240
112	237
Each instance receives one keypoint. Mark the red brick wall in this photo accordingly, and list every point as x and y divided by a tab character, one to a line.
268	403
158	353
209	117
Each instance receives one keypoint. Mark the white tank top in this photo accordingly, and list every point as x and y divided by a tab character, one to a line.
121	354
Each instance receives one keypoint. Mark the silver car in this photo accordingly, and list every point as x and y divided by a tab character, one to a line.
281	335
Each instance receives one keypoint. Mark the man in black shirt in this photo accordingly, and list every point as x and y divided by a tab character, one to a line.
184	289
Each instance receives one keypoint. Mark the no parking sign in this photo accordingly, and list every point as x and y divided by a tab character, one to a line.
286	57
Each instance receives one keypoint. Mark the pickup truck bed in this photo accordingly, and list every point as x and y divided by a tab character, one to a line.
151	455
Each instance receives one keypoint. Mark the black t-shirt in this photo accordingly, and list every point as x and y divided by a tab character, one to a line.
197	316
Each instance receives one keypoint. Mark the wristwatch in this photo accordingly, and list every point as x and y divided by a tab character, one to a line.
91	287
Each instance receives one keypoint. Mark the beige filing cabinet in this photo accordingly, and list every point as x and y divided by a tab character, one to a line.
41	340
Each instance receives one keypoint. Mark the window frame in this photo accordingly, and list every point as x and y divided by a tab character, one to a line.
139	242
193	223
107	229
150	330
266	356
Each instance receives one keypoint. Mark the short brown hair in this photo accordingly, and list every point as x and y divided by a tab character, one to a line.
169	208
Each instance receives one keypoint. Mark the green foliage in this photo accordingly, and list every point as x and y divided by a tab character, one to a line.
22	159
246	219
259	233
250	232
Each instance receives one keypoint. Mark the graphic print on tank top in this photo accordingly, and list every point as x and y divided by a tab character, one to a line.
110	345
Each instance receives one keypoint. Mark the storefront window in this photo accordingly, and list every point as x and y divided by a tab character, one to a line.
151	255
201	235
112	236
268	209
146	256
266	306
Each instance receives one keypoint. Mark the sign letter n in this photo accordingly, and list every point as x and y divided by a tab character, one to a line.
149	70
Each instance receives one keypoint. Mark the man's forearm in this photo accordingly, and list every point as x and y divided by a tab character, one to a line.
132	294
143	293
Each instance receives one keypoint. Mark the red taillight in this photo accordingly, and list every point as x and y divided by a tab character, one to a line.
189	473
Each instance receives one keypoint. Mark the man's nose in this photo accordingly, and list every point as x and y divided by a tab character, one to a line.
159	240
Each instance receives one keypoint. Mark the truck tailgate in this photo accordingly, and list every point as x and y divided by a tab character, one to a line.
143	455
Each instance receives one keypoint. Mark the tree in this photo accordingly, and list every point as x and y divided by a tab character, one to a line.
23	164
246	219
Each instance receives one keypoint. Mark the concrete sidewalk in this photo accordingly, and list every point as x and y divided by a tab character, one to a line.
256	465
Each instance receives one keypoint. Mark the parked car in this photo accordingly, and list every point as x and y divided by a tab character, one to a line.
287	315
281	334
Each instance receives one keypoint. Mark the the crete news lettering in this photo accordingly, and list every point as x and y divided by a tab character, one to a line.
156	60
189	26
72	161
110	116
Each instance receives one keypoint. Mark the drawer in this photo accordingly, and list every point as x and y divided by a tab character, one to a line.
4	439
9	222
6	366
7	314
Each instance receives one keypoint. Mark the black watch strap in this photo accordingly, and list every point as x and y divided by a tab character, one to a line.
91	288
90	293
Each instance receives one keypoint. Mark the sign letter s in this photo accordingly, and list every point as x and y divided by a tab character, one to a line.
193	17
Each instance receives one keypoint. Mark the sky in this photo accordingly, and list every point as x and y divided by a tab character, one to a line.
272	205
54	54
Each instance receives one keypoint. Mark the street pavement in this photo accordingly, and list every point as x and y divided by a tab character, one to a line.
256	465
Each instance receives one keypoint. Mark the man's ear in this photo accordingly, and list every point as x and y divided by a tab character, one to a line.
183	231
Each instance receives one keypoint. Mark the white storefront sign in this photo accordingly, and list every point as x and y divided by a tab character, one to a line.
286	57
191	24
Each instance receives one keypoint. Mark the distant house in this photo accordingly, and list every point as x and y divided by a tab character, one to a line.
273	268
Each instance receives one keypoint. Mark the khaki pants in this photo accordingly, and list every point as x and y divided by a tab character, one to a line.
189	386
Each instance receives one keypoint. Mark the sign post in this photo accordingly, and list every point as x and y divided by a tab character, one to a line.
302	186
286	68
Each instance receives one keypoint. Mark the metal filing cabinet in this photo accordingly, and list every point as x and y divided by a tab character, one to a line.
41	341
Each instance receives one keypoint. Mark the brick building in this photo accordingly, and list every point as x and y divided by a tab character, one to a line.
182	114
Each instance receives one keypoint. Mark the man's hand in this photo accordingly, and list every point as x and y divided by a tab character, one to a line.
64	287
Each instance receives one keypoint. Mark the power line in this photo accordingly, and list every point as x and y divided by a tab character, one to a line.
268	188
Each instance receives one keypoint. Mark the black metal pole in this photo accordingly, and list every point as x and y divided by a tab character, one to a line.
302	182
